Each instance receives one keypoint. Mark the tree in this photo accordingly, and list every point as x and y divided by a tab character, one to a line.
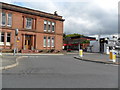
73	35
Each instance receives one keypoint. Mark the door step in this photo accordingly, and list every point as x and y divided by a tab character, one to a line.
29	51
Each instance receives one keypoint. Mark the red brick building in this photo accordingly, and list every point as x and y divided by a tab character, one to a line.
37	30
72	43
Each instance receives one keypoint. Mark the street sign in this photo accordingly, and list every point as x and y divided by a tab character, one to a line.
16	32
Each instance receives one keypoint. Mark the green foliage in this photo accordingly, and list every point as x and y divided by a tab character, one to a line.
86	41
72	35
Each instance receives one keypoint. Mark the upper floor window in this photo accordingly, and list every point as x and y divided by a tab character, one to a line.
49	25
9	19
6	19
28	23
45	26
3	19
53	26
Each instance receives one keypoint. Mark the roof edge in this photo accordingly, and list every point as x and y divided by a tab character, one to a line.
30	11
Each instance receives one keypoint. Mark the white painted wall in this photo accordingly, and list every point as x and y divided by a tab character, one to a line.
95	46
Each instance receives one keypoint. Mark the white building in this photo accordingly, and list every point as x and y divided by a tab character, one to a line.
104	45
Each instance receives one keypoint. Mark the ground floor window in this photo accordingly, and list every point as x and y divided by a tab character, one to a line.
8	37
48	41
52	42
2	38
44	45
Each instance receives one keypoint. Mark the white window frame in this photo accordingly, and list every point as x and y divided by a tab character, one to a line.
29	22
9	19
45	41
45	23
53	24
53	42
2	19
48	42
7	43
49	24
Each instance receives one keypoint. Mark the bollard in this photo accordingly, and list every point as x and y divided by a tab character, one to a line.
81	53
113	56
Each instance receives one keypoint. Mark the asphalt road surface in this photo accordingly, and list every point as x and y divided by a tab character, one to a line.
59	72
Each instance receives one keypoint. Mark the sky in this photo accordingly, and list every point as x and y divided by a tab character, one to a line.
87	17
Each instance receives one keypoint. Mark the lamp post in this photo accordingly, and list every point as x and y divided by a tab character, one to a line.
15	40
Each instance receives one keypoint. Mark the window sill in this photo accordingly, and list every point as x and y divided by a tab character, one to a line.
9	25
7	44
45	30
6	27
49	30
28	28
1	44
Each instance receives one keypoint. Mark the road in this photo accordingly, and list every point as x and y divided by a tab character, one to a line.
59	72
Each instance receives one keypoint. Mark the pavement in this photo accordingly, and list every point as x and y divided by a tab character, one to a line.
7	62
31	54
97	58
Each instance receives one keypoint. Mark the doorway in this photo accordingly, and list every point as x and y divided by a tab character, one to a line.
28	42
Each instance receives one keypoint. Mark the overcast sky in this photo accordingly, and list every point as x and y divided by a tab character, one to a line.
87	17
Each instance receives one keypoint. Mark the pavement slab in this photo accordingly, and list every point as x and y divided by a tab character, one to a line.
6	61
97	57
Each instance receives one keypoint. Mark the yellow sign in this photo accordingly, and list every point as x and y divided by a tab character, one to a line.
17	40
